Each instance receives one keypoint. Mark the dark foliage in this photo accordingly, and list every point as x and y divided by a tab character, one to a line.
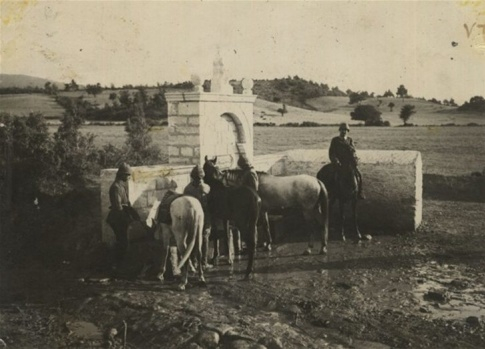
476	104
406	112
293	91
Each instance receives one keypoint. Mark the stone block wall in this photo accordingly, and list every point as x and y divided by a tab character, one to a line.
211	124
147	186
393	184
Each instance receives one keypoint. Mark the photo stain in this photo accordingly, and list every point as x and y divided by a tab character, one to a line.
14	11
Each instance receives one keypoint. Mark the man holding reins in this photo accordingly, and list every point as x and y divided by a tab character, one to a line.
342	152
121	213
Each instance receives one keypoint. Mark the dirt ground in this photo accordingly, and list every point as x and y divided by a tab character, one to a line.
421	290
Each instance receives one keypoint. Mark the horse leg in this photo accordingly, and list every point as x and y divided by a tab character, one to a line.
267	234
215	235
249	229
165	250
309	228
354	217
324	226
202	237
341	218
237	240
230	243
181	247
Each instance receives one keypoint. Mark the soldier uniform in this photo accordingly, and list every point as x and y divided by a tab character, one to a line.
249	177
121	213
342	152
198	189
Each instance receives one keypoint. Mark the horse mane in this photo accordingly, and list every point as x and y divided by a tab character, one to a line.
239	171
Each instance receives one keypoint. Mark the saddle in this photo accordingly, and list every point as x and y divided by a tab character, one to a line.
163	215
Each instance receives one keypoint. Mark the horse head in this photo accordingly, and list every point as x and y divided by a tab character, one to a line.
212	172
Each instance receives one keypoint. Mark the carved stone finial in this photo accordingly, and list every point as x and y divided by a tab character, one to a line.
195	79
247	85
219	82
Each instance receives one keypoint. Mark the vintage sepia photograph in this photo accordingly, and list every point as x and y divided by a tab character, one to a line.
242	174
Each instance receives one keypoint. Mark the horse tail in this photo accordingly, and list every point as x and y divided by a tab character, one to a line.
322	204
195	226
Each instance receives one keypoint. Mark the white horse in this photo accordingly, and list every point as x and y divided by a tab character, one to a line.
187	225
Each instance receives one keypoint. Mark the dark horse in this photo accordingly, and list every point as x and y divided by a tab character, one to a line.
303	192
241	205
342	186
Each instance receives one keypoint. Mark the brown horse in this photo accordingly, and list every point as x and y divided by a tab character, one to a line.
342	186
302	192
240	205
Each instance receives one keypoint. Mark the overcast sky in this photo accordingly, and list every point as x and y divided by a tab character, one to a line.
372	46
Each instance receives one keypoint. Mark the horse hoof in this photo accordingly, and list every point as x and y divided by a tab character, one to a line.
323	250
267	248
181	287
160	277
367	237
307	252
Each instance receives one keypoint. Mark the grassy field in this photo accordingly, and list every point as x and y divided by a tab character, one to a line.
445	150
329	110
23	104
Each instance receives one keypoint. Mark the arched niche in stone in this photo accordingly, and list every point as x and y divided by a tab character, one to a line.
235	139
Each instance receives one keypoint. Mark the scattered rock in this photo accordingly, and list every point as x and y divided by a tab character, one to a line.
343	285
424	309
460	284
112	333
321	323
294	309
437	296
271	343
243	344
473	321
222	329
193	345
207	339
272	305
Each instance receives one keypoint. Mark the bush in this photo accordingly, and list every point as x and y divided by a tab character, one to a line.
476	104
377	122
365	112
268	124
355	97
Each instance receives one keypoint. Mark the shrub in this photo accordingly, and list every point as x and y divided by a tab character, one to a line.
268	124
366	113
476	104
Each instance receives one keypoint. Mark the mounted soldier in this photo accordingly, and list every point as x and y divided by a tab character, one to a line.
342	153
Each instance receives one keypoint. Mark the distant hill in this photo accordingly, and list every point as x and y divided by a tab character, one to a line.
23	81
293	91
331	110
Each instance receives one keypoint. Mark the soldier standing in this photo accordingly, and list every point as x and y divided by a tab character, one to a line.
121	213
198	189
